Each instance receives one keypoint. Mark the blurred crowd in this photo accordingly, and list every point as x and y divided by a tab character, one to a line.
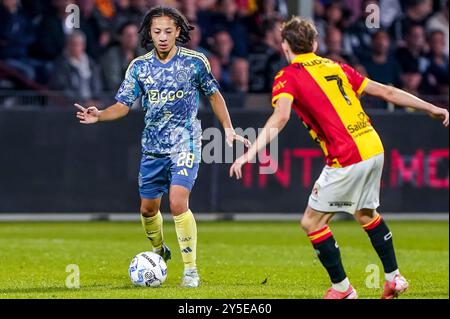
241	38
409	50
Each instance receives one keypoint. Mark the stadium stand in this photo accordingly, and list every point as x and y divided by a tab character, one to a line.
410	50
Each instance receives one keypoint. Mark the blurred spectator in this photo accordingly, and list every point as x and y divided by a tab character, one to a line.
334	45
283	8
356	7
437	76
52	31
266	58
222	47
121	14
105	12
412	60
392	10
334	17
96	38
268	9
234	29
206	19
246	7
106	8
196	36
121	5
440	21
411	82
359	36
416	13
131	10
189	9
412	57
235	85
265	9
206	5
229	20
170	3
239	76
382	66
116	59
75	74
15	37
35	10
319	10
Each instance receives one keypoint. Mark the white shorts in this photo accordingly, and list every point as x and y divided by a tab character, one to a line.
348	189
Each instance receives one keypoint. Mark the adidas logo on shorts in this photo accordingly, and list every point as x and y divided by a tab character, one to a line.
183	172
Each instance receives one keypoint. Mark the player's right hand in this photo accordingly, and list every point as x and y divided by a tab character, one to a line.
88	115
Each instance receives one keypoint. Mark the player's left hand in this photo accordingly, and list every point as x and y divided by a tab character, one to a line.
231	136
236	168
440	114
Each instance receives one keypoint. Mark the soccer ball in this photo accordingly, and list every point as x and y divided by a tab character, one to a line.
147	269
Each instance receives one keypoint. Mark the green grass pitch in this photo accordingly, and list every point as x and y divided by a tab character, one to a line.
234	259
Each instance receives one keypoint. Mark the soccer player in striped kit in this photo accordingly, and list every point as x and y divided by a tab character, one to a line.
169	79
325	96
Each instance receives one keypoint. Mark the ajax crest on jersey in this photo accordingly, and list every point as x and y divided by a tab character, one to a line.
147	269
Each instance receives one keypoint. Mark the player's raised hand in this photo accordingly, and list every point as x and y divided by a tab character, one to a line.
88	115
236	168
440	114
231	136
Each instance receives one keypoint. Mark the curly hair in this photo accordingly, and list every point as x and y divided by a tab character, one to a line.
160	11
300	34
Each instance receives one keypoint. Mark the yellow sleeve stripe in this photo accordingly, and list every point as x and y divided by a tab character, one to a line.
277	97
363	86
279	74
142	57
195	54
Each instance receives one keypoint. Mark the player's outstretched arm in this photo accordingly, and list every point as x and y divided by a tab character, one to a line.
220	110
402	98
272	128
93	115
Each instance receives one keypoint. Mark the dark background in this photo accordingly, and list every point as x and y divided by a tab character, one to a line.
51	163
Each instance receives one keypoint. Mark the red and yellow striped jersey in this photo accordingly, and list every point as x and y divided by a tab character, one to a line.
325	96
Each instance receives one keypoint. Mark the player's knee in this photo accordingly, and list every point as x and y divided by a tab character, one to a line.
178	206
311	223
149	213
149	210
365	216
306	223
